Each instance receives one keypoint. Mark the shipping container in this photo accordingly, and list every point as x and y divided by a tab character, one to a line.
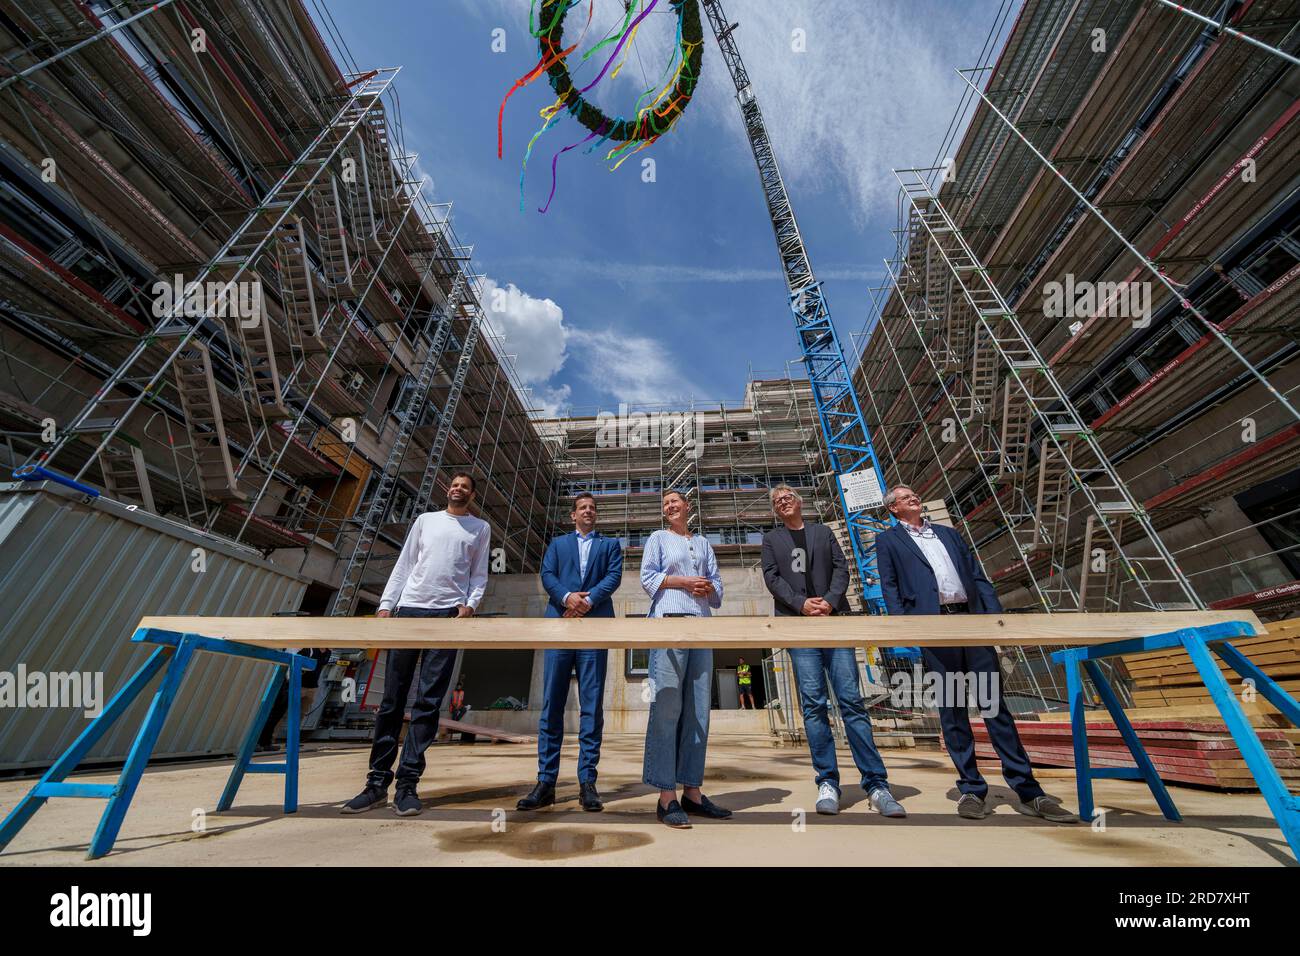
77	572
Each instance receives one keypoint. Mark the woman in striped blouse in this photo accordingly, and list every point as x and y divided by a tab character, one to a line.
680	573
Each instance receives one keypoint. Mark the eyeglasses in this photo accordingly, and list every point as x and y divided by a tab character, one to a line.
783	499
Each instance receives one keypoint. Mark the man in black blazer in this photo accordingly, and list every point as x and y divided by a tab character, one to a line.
804	568
928	569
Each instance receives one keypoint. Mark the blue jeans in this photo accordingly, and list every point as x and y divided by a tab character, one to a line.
557	667
678	729
811	665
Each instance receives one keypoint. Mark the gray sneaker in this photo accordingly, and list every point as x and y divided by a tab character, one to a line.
884	803
971	807
828	799
1049	808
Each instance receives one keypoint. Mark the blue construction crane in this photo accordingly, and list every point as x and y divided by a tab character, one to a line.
859	481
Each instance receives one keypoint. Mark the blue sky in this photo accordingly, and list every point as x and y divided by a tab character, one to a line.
670	290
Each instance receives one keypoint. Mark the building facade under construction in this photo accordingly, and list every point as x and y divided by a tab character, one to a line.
230	318
241	348
1087	344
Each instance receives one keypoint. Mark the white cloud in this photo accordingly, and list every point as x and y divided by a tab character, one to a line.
550	402
533	329
534	337
630	368
874	89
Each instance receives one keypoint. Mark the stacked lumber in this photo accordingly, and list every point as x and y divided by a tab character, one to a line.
1176	720
1183	751
1163	679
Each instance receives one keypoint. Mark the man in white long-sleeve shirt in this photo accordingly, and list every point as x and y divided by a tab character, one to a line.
441	572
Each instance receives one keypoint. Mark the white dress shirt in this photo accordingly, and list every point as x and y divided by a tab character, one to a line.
936	553
584	554
443	564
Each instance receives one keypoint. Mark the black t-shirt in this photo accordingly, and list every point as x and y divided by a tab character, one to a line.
801	543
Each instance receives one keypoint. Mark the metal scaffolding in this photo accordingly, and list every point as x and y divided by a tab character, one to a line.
326	415
733	455
1051	426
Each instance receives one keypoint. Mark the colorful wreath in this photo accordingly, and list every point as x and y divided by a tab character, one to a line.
651	120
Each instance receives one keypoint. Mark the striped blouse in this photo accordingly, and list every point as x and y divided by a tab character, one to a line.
669	553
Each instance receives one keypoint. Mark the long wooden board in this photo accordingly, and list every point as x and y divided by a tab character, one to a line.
448	726
514	633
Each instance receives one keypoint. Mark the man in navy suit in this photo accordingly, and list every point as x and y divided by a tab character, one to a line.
580	572
928	569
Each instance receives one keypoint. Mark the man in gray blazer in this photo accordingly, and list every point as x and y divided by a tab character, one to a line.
805	570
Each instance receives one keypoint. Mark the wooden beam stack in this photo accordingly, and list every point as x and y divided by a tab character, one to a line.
1168	679
1177	721
1197	751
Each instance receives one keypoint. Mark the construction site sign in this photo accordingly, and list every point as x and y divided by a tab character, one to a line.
861	489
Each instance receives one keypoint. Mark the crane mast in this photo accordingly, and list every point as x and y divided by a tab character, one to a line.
859	482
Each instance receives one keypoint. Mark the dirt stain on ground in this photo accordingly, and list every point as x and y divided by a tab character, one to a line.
549	843
1128	849
734	774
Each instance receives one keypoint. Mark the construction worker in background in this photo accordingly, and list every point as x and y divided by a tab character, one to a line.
743	682
442	571
457	708
310	682
928	569
580	572
805	570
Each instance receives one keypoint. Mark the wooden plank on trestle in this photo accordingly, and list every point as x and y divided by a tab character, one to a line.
507	633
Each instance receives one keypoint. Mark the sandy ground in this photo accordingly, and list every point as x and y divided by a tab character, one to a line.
469	794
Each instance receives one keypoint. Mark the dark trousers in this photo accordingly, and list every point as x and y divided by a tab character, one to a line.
435	667
955	722
558	667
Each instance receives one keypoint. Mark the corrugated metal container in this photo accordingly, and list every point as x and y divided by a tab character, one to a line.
76	575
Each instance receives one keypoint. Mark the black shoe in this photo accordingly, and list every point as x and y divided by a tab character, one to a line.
407	804
367	799
672	815
543	795
705	808
589	797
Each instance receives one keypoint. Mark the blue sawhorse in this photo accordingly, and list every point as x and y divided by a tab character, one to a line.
171	657
1197	642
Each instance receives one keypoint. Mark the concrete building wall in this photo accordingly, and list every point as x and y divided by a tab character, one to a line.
521	595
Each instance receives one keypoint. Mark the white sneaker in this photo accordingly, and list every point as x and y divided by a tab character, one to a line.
828	799
884	803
